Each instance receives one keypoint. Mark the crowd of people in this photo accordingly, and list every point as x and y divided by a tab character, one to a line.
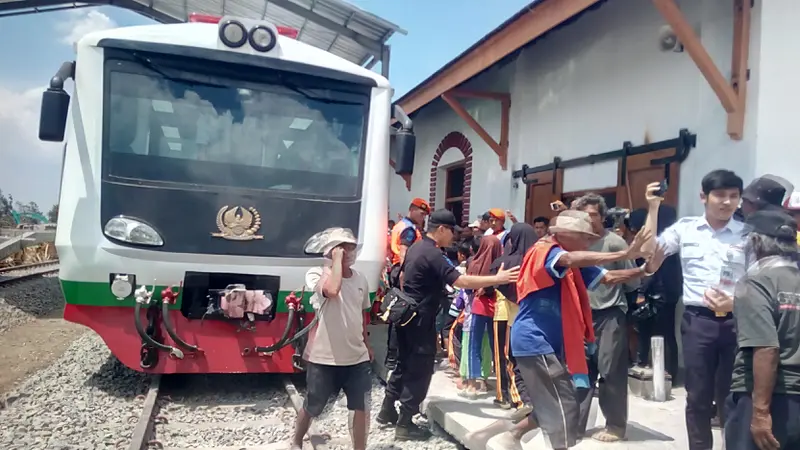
560	309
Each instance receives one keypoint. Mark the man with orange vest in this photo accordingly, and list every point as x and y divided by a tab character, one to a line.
404	233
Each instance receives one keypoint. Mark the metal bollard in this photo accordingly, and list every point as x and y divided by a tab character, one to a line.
659	373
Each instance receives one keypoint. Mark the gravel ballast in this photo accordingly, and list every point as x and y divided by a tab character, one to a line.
252	410
84	400
22	302
89	400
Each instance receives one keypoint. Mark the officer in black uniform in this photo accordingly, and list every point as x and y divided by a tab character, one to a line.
425	274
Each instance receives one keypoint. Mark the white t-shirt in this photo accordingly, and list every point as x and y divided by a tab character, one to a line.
338	337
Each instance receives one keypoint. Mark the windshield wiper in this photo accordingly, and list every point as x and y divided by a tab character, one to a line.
147	62
315	98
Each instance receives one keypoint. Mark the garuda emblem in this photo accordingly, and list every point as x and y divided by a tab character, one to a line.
238	223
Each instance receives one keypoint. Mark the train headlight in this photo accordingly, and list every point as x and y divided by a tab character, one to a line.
232	33
122	285
133	231
262	38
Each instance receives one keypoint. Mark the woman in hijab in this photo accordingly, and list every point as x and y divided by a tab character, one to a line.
519	240
481	310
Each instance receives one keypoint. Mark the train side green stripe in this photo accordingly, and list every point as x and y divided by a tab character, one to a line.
99	294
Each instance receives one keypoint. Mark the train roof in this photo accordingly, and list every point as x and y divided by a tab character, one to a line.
205	35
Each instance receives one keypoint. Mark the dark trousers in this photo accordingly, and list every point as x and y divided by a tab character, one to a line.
519	394
454	345
608	367
391	348
501	341
416	355
709	347
662	324
555	406
448	322
785	411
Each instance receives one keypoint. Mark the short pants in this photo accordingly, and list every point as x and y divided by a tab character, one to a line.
324	382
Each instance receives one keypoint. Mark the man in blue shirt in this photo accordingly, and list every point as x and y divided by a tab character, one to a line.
537	337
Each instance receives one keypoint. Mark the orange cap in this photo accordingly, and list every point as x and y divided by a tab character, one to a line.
497	213
421	204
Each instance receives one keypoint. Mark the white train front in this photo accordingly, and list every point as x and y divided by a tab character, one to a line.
206	155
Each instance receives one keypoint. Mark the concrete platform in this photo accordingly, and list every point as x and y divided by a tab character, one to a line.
652	425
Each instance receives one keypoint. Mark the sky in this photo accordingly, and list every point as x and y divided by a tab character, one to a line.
37	44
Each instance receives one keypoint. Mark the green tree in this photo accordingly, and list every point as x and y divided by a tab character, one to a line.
29	208
6	206
52	215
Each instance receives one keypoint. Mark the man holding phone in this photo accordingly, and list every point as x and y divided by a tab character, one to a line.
706	244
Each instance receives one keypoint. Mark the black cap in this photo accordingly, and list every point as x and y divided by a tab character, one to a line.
443	218
773	223
764	191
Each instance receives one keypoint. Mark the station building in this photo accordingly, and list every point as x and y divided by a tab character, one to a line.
570	96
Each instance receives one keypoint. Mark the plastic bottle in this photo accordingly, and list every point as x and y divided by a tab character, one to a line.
732	270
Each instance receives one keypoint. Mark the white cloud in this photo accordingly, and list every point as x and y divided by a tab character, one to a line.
82	22
30	169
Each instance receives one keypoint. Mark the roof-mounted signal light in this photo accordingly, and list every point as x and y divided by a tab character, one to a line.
289	32
203	18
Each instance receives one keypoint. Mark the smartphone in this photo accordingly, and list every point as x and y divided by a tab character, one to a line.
662	189
554	206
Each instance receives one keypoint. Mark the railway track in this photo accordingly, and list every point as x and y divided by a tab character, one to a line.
146	434
24	272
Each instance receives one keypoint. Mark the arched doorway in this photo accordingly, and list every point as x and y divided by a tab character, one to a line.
457	179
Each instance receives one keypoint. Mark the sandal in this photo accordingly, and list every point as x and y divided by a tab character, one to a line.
468	394
608	436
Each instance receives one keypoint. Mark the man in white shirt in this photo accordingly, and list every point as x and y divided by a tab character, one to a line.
337	354
706	244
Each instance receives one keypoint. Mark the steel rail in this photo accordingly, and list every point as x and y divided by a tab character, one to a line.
143	437
27	276
27	266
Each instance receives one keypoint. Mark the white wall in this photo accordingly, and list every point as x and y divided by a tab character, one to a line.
602	80
431	125
778	135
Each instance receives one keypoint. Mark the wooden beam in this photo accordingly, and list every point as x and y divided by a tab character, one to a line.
686	35
739	63
406	177
500	148
529	26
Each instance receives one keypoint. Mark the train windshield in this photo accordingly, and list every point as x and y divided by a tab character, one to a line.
170	126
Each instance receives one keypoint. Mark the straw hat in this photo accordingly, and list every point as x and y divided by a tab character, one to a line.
328	239
571	221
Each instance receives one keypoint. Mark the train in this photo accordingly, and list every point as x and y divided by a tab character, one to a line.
200	161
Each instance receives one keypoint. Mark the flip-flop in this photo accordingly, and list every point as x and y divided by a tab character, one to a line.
607	436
